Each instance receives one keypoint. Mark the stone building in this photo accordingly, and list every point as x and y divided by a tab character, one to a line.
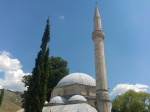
79	92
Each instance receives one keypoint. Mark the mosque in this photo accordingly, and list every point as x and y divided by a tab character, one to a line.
79	92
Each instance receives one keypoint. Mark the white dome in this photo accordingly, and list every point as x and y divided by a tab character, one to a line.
77	78
77	98
58	99
45	103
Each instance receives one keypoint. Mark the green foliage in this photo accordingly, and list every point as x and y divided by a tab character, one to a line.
26	80
131	101
1	97
58	69
35	96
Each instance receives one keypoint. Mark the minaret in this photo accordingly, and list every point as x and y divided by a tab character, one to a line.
102	98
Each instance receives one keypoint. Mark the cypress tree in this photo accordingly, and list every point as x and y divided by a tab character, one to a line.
35	96
1	97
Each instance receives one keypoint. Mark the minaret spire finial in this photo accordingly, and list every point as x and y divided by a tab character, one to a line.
97	19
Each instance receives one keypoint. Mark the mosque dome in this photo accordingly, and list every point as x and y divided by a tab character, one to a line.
77	78
77	98
45	103
58	100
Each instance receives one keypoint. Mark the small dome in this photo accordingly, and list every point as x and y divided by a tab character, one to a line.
58	99
77	98
77	78
45	103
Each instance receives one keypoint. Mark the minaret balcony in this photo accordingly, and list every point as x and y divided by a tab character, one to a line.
98	34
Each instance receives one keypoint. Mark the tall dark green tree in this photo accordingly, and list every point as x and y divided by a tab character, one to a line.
1	97
58	69
35	95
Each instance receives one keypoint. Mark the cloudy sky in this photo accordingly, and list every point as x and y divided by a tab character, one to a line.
126	24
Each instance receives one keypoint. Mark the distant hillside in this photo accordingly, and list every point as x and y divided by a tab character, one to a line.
11	101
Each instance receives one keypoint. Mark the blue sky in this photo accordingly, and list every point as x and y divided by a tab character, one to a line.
126	24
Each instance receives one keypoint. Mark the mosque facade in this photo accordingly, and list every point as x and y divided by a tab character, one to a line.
79	92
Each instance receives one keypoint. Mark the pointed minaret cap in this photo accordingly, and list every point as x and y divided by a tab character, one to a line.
96	11
97	19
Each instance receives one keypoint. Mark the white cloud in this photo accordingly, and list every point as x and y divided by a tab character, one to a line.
7	63
122	88
61	17
12	72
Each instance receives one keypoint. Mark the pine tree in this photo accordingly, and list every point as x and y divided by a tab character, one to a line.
35	96
1	97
